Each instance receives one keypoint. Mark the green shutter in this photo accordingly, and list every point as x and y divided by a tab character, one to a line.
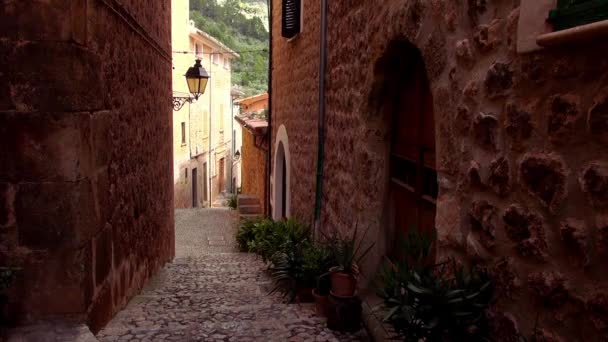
571	13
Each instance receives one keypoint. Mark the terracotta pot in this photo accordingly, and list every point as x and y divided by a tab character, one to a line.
344	313
343	284
321	304
305	295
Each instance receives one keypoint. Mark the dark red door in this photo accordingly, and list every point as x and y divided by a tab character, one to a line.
413	176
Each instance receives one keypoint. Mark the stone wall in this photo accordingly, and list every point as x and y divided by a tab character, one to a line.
85	148
521	150
295	98
253	161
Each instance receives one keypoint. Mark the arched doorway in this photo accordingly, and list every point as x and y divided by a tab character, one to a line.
281	195
412	189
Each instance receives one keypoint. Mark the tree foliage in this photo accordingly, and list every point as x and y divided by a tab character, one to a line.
232	24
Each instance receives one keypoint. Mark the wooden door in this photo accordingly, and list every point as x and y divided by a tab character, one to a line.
221	179
194	188
413	175
205	180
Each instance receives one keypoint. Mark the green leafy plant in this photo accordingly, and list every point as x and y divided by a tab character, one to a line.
436	302
7	276
232	202
245	233
348	252
299	267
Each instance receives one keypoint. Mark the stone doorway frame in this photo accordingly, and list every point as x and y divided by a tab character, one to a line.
281	186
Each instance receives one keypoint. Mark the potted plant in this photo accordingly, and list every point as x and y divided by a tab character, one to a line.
7	276
321	294
347	254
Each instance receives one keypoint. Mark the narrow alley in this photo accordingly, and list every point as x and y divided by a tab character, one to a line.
212	293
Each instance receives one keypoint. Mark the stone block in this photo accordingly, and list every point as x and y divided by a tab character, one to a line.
54	20
593	180
448	222
101	137
574	233
55	216
565	115
43	146
544	176
6	100
550	287
499	80
489	37
597	119
505	279
597	309
101	309
55	77
464	52
7	206
500	176
519	222
485	130
482	215
53	283
102	255
518	125
526	228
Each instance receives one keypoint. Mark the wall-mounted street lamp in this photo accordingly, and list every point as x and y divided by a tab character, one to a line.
237	155
197	78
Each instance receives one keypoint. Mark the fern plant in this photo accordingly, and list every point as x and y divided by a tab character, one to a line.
434	302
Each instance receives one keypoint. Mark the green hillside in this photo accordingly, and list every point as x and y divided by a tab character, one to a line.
242	26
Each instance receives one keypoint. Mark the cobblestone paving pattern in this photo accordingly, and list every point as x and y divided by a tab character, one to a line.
212	293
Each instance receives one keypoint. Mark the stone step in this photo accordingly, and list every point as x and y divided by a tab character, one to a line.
248	200
249	216
250	209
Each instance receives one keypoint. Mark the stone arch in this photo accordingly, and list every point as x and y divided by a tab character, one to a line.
281	176
400	82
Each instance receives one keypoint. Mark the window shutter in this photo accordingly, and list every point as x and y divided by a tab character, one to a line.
571	13
291	18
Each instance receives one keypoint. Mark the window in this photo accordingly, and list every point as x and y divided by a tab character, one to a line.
216	57
183	133
292	18
198	51
570	21
185	175
571	13
221	117
226	63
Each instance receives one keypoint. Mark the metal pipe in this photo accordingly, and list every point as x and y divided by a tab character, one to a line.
321	119
268	170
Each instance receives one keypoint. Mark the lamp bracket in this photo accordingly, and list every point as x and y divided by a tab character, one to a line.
180	101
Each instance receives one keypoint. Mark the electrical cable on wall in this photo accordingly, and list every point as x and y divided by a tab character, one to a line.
219	53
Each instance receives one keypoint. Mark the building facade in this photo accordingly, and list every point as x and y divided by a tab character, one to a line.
254	148
449	115
86	207
202	130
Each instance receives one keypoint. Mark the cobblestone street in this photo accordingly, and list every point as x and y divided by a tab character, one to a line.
212	293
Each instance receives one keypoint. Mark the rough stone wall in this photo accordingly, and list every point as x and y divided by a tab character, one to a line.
253	161
295	87
521	152
85	148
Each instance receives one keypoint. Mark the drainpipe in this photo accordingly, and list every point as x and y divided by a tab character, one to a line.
210	201
321	119
269	4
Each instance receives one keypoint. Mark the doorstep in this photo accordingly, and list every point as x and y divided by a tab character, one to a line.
51	331
373	317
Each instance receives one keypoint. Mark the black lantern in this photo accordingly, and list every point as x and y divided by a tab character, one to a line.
237	155
197	79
